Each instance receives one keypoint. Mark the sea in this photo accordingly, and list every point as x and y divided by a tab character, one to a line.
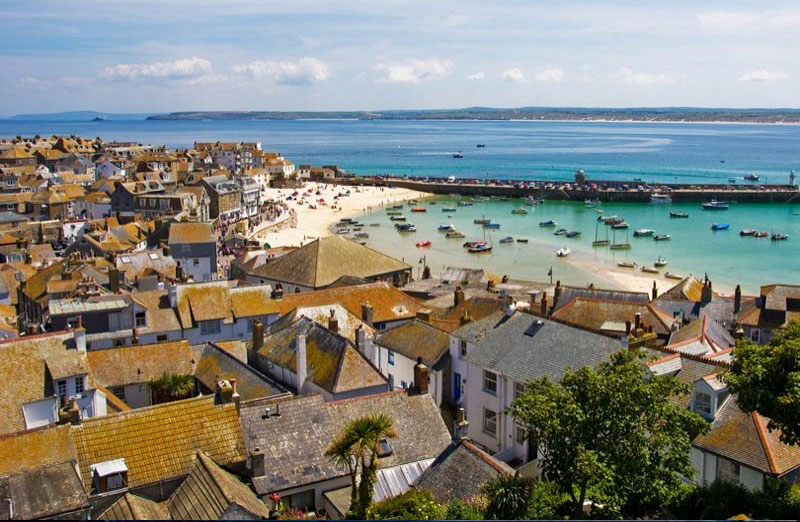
534	150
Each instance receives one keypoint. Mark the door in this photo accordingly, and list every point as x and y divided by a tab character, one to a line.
456	387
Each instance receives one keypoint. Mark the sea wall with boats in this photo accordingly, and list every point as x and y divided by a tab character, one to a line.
605	191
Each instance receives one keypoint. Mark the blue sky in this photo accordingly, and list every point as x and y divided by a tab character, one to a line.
145	55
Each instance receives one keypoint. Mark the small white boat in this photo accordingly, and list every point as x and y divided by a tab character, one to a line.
660	198
660	262
563	252
643	232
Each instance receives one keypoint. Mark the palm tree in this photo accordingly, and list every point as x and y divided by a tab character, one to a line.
356	448
171	387
508	497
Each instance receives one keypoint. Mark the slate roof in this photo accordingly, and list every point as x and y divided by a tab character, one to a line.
596	314
123	365
416	339
701	336
294	443
45	446
209	491
213	365
222	300
43	492
388	303
333	363
689	289
134	507
745	438
525	347
459	471
348	324
159	442
568	293
475	307
775	296
323	261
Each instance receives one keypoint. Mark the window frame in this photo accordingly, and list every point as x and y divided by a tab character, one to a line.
140	319
697	408
390	357
462	349
519	389
486	374
489	416
79	388
729	475
210	327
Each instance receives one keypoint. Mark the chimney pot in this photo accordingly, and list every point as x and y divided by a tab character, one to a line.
424	315
637	321
367	313
737	299
544	304
458	296
420	377
333	322
628	327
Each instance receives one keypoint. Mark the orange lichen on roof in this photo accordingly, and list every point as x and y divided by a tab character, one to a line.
136	364
252	301
180	233
35	448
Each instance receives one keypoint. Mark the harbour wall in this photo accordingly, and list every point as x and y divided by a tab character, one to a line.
606	191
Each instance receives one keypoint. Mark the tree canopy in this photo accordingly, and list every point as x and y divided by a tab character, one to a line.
614	431
767	380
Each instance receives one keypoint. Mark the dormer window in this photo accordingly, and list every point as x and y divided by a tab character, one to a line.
384	449
109	476
702	403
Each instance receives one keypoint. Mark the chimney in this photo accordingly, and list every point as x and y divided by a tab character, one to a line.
235	397
737	299
556	293
637	322
135	338
655	291
257	466
80	337
544	303
172	291
532	298
361	339
424	315
333	322
462	425
277	292
707	292
458	296
627	328
179	273
113	280
258	335
300	347
420	377
366	313
224	392
70	413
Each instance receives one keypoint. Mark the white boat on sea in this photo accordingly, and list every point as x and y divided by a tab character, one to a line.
563	252
660	198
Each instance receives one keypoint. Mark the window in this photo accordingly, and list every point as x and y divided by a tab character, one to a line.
519	389
196	262
390	358
115	481
78	384
119	391
141	319
62	388
755	335
161	338
702	403
490	422
520	435
462	352
209	327
391	381
385	449
404	384
490	382
728	470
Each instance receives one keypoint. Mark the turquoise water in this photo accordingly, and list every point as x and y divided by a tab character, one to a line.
655	152
727	257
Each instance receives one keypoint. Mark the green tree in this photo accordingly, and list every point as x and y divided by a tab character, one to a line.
614	431
458	509
508	497
356	449
414	504
767	380
171	387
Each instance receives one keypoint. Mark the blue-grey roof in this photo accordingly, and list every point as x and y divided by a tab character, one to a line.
525	347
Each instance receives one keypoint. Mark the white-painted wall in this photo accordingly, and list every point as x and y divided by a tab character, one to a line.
705	466
403	371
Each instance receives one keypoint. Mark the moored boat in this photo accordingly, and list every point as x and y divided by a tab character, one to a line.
481	221
573	233
422	244
405	227
362	235
464	203
448	209
715	205
674	214
419	209
642	232
560	232
720	226
507	239
491	225
400	217
620	224
445	228
480	248
662	237
660	262
522	240
761	234
563	252
624	264
673	276
752	177
649	270
454	234
660	198
519	211
343	231
548	223
779	237
748	232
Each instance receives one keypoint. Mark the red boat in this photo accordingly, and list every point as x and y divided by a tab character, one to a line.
425	243
419	209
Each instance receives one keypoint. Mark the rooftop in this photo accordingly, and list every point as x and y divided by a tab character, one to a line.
187	233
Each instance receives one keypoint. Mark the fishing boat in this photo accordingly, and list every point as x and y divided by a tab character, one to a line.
374	224
762	234
674	214
673	276
533	200
362	235
491	225
413	201
507	239
660	198
405	227
573	233
779	237
606	219
715	205
454	234
643	232
343	231
748	232
481	145
720	226
649	270
479	249
399	217
752	177
482	221
591	202
448	209
446	228
419	209
519	211
597	241
620	246
397	206
458	154
560	232
394	212
625	264
422	244
563	252
470	244
548	223
522	240
620	224
464	203
660	262
662	237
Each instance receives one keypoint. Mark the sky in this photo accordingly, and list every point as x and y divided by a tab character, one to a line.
170	55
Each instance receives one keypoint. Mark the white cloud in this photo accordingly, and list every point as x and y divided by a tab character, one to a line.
477	77
626	75
550	75
724	20
304	71
514	75
753	21
761	76
413	71
183	69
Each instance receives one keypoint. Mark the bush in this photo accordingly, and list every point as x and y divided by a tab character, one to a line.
720	500
548	502
460	510
414	504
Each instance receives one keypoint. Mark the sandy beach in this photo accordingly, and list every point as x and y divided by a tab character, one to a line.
319	205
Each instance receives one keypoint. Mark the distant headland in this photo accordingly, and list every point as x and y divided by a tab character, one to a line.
643	114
